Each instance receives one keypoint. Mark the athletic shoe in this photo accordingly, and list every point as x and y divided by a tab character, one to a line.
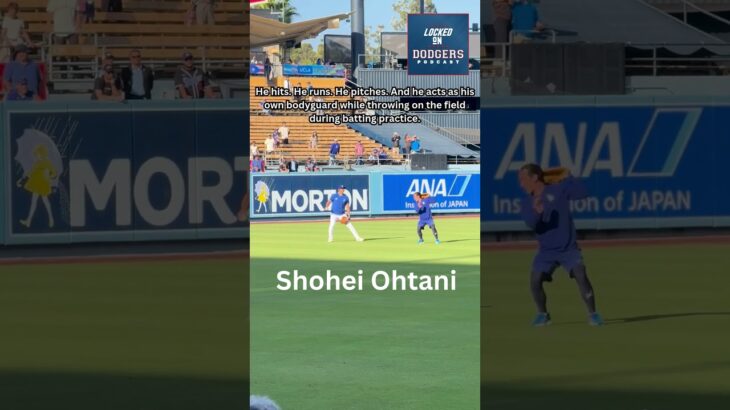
438	242
595	319
420	241
542	319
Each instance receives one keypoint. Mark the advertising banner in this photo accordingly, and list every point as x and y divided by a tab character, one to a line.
453	192
304	70
94	174
295	195
644	166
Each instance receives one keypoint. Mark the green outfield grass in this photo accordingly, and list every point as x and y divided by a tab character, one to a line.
666	344
143	335
370	349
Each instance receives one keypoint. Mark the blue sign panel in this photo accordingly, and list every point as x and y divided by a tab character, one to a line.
438	44
644	166
123	173
294	195
453	192
304	70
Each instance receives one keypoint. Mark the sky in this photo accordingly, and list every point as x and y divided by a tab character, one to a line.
376	12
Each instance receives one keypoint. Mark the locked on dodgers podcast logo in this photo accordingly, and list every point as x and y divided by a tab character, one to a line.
438	44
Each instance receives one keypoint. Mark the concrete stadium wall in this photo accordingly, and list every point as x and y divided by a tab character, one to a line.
122	172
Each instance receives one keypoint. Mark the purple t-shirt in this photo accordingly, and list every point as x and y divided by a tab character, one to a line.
16	71
424	211
554	227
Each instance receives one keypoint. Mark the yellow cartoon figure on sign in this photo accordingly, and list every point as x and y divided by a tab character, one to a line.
42	166
262	195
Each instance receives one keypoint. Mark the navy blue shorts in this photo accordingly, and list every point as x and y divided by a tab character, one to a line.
430	224
547	261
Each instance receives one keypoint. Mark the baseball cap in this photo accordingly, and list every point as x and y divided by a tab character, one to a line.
341	187
186	55
21	48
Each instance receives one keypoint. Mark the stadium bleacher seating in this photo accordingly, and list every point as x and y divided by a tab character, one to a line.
301	130
156	27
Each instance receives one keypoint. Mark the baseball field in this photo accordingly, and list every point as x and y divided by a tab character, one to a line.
366	349
162	334
664	346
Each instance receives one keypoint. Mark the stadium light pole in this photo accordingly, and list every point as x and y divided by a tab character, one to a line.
357	41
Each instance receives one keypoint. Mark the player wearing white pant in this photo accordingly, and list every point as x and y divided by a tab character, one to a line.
339	206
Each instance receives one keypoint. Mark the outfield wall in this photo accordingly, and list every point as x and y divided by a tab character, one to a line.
647	162
122	172
371	193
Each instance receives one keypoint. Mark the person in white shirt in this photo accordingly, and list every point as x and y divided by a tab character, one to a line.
13	32
64	20
269	142
204	11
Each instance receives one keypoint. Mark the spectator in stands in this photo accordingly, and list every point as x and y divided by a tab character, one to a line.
257	165
268	71
284	134
382	155
138	79
13	32
395	140
283	167
64	20
334	150
373	158
21	92
409	141
502	17
415	145
22	68
292	165
313	141
190	81
311	165
277	139
253	150
107	60
525	19
108	87
359	152
90	11
269	145
265	110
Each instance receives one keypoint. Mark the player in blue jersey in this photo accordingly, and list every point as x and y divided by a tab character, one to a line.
546	210
339	206
423	208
